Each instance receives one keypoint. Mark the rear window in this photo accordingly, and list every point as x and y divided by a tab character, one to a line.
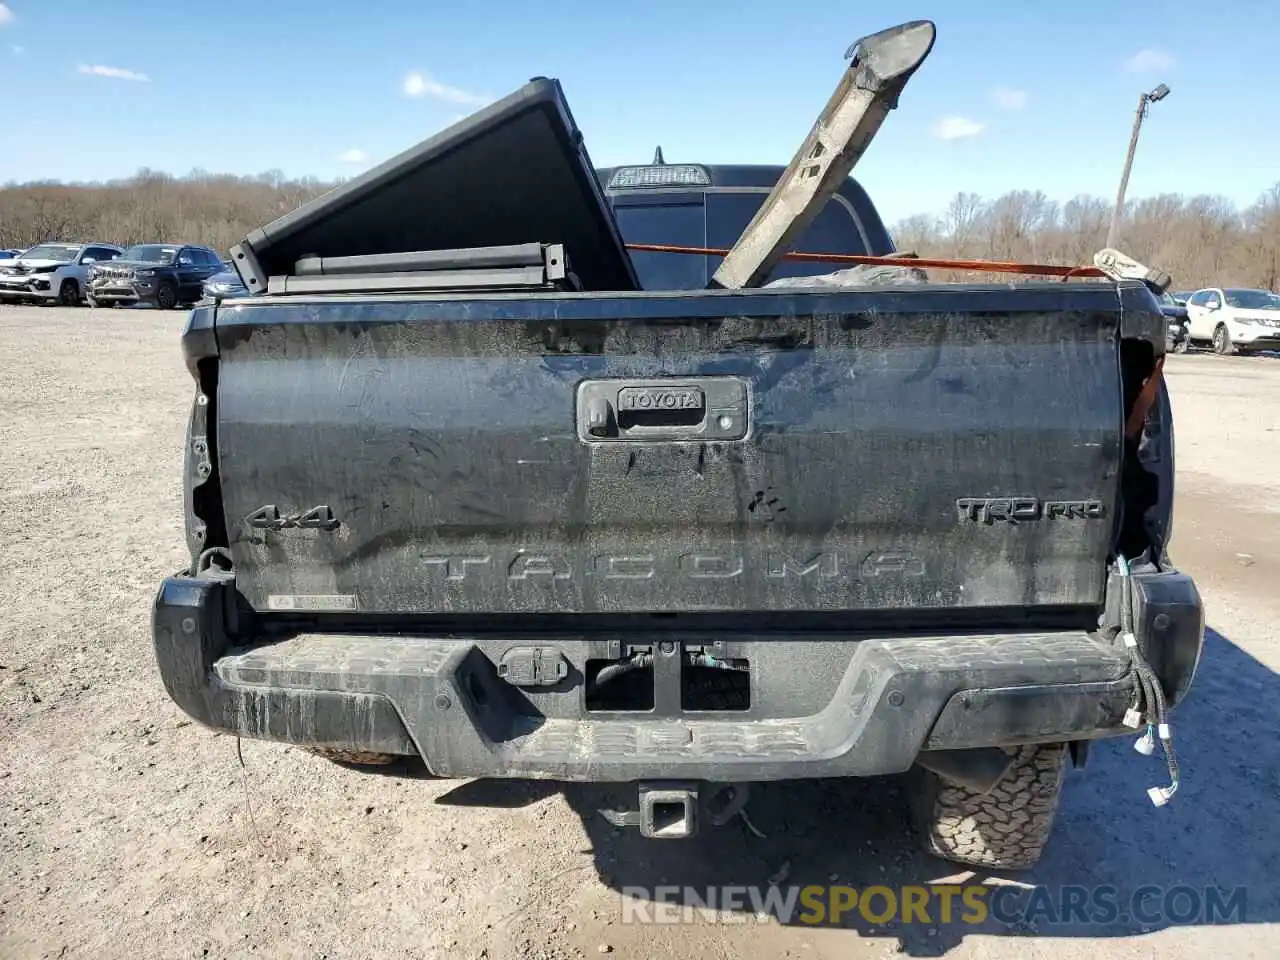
832	231
678	223
717	219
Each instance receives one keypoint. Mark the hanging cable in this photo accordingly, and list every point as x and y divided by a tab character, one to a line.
1152	705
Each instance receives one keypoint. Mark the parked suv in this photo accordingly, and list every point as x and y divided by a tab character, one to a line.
162	274
1234	320
52	272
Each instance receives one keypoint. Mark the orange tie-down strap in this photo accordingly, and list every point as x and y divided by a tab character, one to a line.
1142	404
985	266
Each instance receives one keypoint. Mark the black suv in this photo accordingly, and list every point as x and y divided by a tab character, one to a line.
163	274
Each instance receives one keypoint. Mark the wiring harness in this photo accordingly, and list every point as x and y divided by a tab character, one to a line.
1149	704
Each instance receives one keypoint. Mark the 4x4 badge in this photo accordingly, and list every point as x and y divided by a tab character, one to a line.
270	518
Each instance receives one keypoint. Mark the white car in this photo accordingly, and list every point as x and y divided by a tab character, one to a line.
53	272
1234	320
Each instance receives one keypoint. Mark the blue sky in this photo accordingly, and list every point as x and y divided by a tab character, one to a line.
1028	95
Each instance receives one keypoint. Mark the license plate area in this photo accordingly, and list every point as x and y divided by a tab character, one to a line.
662	409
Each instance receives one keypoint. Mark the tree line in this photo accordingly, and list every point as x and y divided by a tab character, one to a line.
212	209
1200	240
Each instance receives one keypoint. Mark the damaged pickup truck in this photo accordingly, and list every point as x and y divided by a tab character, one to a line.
467	479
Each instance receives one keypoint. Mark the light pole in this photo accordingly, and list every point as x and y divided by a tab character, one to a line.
1156	95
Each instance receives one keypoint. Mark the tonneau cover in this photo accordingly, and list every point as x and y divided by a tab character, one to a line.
515	172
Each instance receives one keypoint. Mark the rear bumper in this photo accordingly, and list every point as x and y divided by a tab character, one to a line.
442	697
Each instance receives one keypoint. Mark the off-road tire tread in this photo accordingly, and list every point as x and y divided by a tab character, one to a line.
354	758
1006	828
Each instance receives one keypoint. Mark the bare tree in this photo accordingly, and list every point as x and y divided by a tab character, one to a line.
201	207
916	232
960	222
1262	228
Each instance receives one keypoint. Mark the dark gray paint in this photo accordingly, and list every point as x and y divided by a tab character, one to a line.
443	431
515	171
440	697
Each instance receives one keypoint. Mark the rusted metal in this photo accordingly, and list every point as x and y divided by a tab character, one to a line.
880	66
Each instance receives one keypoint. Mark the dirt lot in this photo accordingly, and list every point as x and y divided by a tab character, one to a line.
127	831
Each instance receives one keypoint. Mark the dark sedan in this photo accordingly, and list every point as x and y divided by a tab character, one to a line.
224	284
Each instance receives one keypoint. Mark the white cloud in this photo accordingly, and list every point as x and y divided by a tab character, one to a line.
415	85
115	73
354	155
1008	98
419	85
957	128
6	15
1149	60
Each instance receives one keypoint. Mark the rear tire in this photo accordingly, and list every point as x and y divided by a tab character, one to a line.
1005	828
1222	344
69	293
354	758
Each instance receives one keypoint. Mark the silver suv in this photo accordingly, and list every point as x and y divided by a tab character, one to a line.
52	272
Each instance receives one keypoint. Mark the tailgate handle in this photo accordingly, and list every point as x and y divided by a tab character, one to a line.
662	409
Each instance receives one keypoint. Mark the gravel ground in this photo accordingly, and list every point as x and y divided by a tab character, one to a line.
126	830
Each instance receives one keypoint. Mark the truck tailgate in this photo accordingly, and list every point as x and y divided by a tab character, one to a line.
869	450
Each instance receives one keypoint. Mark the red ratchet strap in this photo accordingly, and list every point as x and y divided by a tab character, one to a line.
985	266
1142	405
